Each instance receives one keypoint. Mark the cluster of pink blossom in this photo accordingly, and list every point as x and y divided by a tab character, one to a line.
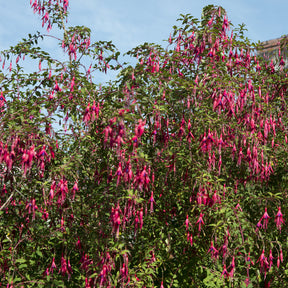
25	154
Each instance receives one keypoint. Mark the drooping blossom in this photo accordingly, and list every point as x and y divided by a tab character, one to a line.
265	218
279	219
53	266
225	273
152	201
214	252
200	221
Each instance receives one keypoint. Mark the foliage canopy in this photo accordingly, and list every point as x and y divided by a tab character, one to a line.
173	175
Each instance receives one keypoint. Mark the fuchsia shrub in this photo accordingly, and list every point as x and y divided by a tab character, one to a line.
173	175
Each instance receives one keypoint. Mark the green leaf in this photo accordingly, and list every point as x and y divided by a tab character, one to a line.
20	260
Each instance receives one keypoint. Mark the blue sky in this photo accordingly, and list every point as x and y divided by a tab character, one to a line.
129	23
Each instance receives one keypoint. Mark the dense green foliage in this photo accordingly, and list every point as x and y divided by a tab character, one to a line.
173	175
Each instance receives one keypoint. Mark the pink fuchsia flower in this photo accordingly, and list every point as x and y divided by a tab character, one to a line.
24	161
62	191
32	207
270	259
53	266
259	225
63	269
119	173
51	96
2	99
152	201
70	271
225	272
72	84
249	260
56	87
95	111
282	63
78	243
280	258
238	207
279	219
278	262
272	66
187	222
74	189
263	262
87	114
62	227
139	129
214	252
124	271
116	219
46	272
200	221
265	218
232	267
42	153
141	218
52	191
190	238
